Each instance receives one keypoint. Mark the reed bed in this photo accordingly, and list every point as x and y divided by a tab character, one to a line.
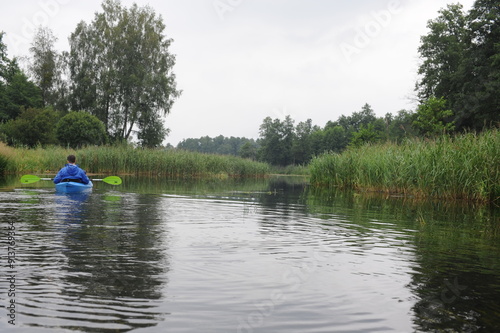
461	167
129	160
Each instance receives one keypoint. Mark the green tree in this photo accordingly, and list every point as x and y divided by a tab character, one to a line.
32	127
354	122
400	126
190	144
218	145
432	117
248	150
43	63
77	129
371	133
336	138
461	63
479	104
4	60
317	140
152	131
16	91
121	70
442	51
61	88
276	140
302	148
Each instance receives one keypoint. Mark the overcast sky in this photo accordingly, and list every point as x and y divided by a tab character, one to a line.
239	61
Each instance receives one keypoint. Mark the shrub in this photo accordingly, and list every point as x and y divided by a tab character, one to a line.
32	127
78	129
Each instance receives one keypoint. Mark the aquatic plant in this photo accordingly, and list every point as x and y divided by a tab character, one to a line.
461	167
125	159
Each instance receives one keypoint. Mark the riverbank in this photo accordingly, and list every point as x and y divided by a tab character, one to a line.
129	160
464	167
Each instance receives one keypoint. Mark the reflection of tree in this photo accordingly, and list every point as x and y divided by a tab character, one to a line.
455	249
280	203
456	280
452	305
116	260
149	185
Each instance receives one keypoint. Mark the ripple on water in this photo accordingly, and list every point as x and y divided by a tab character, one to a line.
154	263
68	273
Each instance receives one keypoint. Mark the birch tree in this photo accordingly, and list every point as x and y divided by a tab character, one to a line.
121	71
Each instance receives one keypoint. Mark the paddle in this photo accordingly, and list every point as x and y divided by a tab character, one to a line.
112	180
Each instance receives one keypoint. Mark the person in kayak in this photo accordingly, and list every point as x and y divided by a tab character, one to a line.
71	173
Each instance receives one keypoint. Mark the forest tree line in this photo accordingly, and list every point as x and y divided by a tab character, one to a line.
282	142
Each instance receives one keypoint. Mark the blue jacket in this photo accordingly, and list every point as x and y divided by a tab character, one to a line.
71	171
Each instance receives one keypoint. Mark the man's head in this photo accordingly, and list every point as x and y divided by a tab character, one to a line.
72	159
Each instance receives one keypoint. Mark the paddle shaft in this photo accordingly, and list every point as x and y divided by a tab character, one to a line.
94	180
112	180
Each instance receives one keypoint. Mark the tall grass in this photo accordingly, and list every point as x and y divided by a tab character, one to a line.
462	167
129	160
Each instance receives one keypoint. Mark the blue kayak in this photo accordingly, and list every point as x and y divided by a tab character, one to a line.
73	187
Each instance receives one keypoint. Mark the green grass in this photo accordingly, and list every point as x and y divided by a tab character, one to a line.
129	160
461	167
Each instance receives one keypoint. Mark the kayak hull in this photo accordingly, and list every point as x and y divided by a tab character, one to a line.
73	187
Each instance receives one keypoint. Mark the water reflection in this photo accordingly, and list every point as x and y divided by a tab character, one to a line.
455	255
269	255
90	262
69	207
119	259
458	270
198	187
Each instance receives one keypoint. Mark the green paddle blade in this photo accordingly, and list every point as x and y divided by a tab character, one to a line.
113	180
29	179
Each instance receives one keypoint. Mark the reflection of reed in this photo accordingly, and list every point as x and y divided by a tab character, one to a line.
94	263
150	185
454	278
117	263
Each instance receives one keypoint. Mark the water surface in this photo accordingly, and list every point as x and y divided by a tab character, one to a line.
274	255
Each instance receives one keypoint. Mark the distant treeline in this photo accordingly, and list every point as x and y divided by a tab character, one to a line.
221	145
281	142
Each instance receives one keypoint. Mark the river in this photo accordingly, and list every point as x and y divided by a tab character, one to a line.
270	255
